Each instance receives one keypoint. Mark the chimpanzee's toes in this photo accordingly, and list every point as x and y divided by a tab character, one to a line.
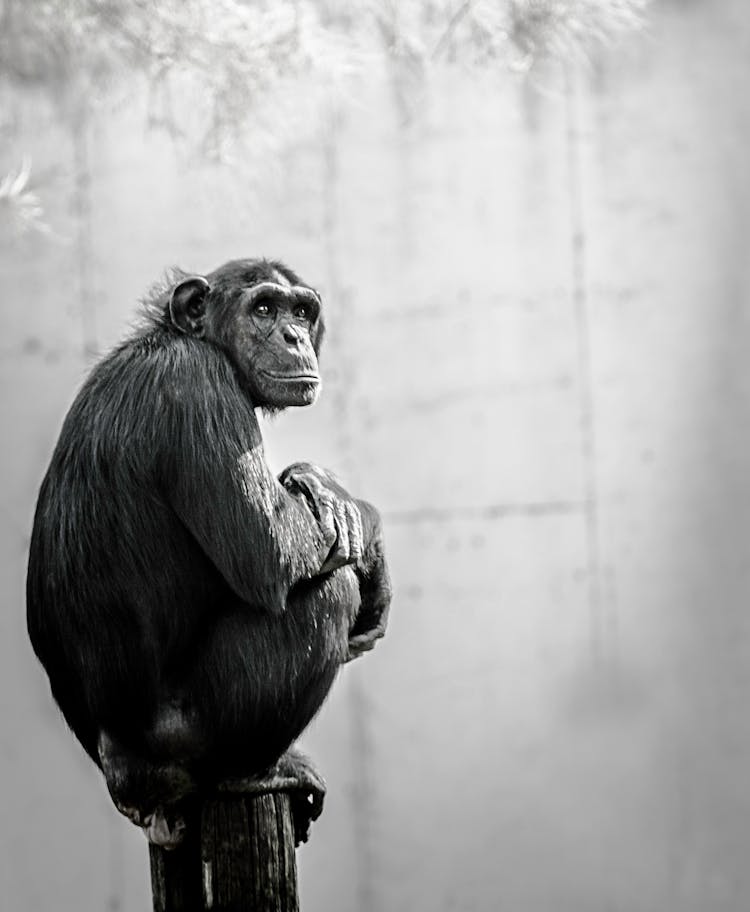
306	788
295	775
165	828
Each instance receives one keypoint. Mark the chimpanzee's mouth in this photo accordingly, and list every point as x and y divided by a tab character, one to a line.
306	378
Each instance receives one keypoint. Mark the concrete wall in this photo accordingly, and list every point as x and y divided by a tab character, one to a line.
538	302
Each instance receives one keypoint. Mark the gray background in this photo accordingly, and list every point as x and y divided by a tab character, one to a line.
538	301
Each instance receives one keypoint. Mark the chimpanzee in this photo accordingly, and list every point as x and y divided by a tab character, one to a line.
190	609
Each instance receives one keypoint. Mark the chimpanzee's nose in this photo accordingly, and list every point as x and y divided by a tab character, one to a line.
291	334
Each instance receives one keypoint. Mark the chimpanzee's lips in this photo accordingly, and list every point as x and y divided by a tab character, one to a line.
275	375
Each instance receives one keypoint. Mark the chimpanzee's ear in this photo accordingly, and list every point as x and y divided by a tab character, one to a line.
187	306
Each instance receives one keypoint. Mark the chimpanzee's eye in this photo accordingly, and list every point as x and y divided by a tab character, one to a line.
263	309
302	312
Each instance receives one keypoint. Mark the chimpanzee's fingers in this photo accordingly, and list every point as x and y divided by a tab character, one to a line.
339	553
354	518
364	642
340	520
323	474
311	486
335	531
342	527
328	524
322	503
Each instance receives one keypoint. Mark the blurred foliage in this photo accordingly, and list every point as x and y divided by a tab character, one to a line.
568	29
20	207
239	78
237	50
226	57
208	63
518	33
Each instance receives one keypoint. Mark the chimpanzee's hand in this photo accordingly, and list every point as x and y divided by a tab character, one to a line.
335	509
374	587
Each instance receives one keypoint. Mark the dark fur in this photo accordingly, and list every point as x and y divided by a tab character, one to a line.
159	578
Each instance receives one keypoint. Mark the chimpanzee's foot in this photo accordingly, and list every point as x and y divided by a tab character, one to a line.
165	828
149	794
294	774
307	790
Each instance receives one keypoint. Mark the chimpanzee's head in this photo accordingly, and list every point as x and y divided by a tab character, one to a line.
268	321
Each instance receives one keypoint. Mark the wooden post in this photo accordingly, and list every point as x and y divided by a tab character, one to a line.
237	856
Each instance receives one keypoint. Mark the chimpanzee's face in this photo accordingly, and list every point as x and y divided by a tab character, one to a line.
275	323
266	319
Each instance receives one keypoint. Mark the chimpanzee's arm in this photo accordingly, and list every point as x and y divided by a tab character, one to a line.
326	496
210	453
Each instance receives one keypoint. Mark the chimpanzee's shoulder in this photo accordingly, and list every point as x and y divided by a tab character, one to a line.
160	360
